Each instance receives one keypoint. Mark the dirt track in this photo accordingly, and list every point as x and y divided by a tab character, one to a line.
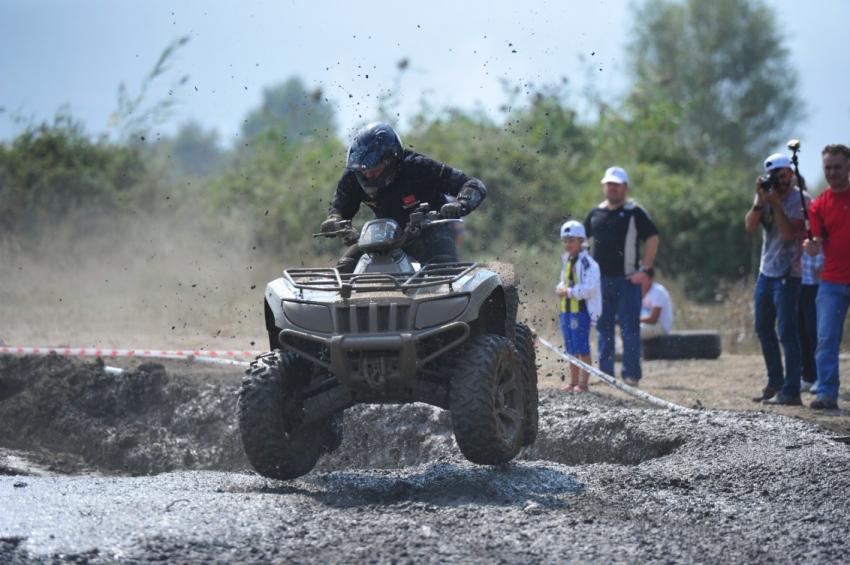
608	480
727	383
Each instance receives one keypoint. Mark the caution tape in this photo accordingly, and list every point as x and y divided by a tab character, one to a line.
608	379
233	357
223	357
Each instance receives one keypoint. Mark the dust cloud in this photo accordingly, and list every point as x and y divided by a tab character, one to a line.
172	281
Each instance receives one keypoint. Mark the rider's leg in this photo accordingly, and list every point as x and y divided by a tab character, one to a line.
349	260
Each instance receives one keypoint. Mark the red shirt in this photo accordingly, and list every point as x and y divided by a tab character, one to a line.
830	220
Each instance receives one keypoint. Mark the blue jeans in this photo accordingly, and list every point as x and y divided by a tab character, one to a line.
832	303
777	300
620	305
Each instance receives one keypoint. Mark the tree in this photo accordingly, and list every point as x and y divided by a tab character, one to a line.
195	150
54	173
725	65
291	112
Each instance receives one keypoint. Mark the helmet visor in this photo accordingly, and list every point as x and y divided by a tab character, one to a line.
363	158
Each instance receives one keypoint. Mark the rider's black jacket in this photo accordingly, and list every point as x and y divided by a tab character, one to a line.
419	180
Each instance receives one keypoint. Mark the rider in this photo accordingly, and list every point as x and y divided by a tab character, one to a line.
394	181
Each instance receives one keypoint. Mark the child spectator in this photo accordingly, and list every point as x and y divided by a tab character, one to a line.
581	299
656	314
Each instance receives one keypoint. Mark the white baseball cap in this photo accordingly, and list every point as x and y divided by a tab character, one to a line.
777	161
615	174
573	229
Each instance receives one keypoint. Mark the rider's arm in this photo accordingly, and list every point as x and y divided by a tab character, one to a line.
347	199
469	191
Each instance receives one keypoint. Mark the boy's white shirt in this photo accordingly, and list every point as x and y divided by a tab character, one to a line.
589	283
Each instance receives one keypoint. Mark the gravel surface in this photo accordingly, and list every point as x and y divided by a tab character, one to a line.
608	480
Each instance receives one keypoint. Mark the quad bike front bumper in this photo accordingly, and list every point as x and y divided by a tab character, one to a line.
376	368
396	356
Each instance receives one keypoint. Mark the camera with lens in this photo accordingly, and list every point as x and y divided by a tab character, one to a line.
769	181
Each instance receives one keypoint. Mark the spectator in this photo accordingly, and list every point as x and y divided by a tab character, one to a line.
581	300
812	267
779	211
830	217
656	314
617	226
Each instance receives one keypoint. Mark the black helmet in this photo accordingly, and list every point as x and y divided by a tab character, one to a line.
374	156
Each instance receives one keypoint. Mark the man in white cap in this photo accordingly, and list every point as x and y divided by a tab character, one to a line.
617	226
777	207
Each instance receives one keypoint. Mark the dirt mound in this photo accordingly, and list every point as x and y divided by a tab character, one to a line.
69	416
72	416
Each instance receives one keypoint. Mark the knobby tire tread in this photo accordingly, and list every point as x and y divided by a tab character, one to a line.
473	398
524	342
263	425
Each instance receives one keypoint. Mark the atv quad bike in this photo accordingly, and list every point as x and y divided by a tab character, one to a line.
393	331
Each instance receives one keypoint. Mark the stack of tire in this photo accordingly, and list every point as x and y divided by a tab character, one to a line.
689	344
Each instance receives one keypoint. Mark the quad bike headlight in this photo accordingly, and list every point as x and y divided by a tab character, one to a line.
440	311
313	317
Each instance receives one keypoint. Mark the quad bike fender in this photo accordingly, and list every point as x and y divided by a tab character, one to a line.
276	292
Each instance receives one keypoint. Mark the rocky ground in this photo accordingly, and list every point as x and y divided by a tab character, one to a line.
147	466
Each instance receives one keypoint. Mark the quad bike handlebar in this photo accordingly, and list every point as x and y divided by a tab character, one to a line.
421	218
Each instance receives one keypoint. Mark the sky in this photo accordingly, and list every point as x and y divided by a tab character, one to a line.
76	54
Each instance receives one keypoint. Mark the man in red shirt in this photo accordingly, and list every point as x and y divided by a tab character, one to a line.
830	219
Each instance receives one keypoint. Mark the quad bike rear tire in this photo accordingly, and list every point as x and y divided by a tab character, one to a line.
487	400
275	446
524	342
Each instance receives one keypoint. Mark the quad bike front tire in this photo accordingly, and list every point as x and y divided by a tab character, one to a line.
275	446
524	342
487	400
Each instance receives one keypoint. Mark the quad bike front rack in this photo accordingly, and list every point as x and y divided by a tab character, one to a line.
331	280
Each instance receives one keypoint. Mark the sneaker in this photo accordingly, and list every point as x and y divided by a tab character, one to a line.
630	381
824	403
782	400
767	393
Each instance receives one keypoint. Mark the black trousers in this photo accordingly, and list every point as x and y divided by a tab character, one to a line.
808	330
434	245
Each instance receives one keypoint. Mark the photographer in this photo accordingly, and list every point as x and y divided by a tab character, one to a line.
777	207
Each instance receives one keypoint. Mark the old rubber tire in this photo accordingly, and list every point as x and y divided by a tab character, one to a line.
487	400
274	447
693	344
524	342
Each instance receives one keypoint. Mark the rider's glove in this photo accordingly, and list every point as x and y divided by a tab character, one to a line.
452	210
330	224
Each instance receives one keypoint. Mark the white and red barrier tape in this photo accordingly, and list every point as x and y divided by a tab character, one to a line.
224	357
608	379
233	357
111	352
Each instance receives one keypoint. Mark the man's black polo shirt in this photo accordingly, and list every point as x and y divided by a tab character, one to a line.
616	236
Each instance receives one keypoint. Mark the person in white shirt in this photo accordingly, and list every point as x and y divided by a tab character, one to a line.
656	315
